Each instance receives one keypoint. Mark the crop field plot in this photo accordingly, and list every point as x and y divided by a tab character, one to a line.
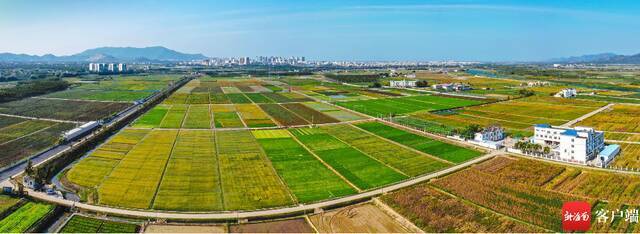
149	83
219	98
535	109
298	225
425	125
24	217
174	117
191	179
273	88
282	115
177	98
310	115
198	116
248	180
21	147
357	167
449	152
620	118
305	176
404	160
435	211
152	118
253	116
133	182
294	97
6	121
260	89
405	105
90	171
521	201
238	98
333	112
231	89
258	98
516	116
7	202
534	191
592	184
378	93
83	224
198	98
12	132
629	156
62	109
120	88
357	219
225	116
174	228
101	95
286	97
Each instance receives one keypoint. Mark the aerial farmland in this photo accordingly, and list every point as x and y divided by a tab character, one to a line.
272	149
265	145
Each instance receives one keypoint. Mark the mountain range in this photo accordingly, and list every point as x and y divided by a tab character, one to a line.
603	58
109	54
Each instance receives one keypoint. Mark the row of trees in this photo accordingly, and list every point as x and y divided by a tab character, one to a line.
467	132
32	88
532	148
355	78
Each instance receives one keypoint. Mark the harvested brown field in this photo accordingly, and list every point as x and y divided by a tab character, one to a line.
363	218
167	228
436	211
281	226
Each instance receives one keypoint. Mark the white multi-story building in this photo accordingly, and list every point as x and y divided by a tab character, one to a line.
122	67
577	145
451	87
107	67
402	83
491	133
112	67
567	93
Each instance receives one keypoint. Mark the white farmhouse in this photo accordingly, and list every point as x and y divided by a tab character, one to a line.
491	133
576	145
402	83
567	93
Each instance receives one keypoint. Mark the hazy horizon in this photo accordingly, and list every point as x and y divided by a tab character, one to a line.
333	30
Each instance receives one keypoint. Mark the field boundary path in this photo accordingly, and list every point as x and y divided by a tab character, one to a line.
572	122
45	119
294	210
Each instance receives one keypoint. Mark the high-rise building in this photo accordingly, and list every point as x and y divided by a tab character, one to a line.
122	67
111	67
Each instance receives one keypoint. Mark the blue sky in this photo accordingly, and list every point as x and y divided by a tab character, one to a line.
337	30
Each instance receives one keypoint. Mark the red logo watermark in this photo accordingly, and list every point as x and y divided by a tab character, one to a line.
576	216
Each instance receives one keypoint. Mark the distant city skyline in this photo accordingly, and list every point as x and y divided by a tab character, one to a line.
328	30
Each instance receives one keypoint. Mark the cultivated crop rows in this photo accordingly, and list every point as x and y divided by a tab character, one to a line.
20	138
82	224
405	105
243	170
526	190
516	116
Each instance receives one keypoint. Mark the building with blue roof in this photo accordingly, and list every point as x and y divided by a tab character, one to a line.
608	153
